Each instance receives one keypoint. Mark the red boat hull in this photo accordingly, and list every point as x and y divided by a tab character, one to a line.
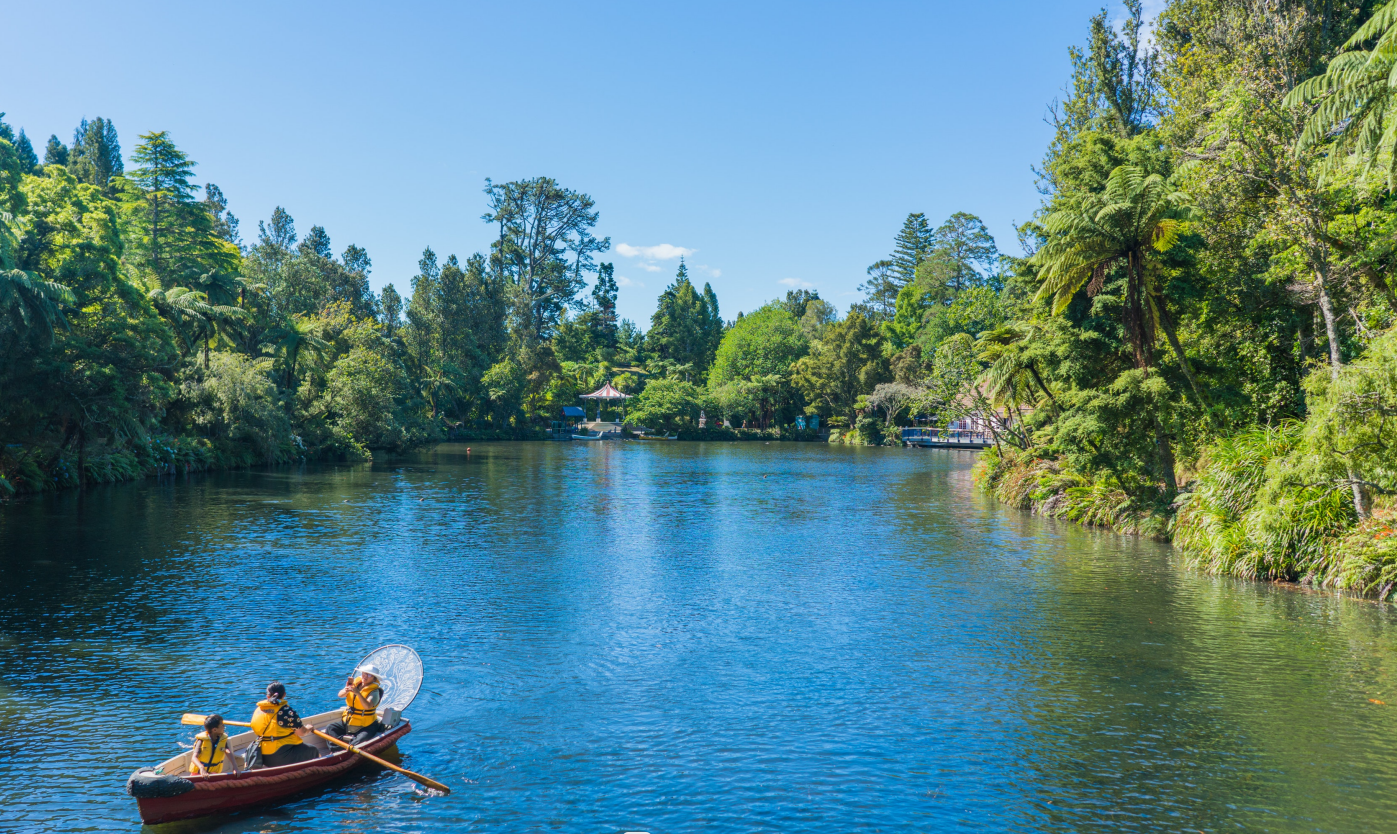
227	792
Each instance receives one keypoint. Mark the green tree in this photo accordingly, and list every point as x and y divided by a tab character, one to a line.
880	291
233	398
1126	227
604	296
545	245
55	152
95	157
1136	218
1353	99
391	304
912	246
170	236
766	342
297	336
968	250
847	363
192	316
24	150
106	374
668	405
28	303
681	328
225	225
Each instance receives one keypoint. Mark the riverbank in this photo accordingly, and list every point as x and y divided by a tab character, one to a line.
53	467
1221	522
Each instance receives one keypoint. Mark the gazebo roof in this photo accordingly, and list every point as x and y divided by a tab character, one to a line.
606	392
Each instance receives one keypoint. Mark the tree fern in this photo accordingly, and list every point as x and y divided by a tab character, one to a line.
1354	98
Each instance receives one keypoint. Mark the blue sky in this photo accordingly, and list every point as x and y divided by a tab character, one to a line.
779	145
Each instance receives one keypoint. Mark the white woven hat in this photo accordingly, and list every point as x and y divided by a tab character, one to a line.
371	669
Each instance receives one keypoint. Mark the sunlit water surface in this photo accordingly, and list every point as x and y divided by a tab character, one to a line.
681	638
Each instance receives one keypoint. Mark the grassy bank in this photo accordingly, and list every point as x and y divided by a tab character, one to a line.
49	467
1245	515
1047	487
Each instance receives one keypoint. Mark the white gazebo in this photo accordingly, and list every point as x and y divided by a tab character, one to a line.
606	392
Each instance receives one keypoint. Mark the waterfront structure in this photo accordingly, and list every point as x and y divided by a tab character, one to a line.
604	394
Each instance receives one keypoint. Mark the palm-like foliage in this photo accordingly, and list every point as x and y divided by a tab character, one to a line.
438	385
1356	94
27	301
297	335
192	316
1011	378
1136	218
222	288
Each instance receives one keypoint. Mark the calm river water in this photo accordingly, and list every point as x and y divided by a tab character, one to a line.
681	638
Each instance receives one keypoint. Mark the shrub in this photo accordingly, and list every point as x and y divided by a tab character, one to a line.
667	405
870	430
236	400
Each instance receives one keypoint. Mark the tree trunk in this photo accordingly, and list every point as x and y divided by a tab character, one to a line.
1033	370
1173	337
1361	503
206	352
1166	459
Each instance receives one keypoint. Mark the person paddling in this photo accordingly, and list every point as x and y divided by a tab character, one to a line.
211	753
359	718
280	732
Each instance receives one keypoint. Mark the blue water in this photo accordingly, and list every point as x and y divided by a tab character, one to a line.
684	637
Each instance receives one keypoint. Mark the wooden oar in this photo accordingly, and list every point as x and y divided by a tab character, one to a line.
191	718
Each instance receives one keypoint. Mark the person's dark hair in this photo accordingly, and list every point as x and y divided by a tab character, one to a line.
276	690
212	721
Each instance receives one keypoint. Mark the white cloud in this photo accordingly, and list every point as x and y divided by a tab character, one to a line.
711	272
623	281
649	267
663	252
795	282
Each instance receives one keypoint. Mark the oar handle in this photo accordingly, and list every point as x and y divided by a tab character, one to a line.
192	718
416	777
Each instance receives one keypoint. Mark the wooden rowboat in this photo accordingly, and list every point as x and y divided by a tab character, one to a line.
168	792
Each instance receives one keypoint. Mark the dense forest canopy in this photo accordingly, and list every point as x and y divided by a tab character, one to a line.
1196	340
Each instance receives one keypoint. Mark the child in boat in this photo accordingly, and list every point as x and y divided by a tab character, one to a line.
359	719
211	753
281	734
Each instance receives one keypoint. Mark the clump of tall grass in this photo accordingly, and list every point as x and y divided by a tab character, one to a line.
1209	527
1049	488
1368	554
1252	514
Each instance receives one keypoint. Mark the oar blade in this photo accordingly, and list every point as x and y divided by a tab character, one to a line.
191	718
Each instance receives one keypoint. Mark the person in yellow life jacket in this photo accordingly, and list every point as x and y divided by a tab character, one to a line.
359	719
280	732
211	753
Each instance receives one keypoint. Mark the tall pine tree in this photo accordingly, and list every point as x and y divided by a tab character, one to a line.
96	154
55	152
171	237
604	296
912	246
25	150
683	326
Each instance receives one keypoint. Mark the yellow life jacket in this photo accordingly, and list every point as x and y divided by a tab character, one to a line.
271	735
209	753
358	712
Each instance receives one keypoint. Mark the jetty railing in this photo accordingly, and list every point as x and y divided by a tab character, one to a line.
947	438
